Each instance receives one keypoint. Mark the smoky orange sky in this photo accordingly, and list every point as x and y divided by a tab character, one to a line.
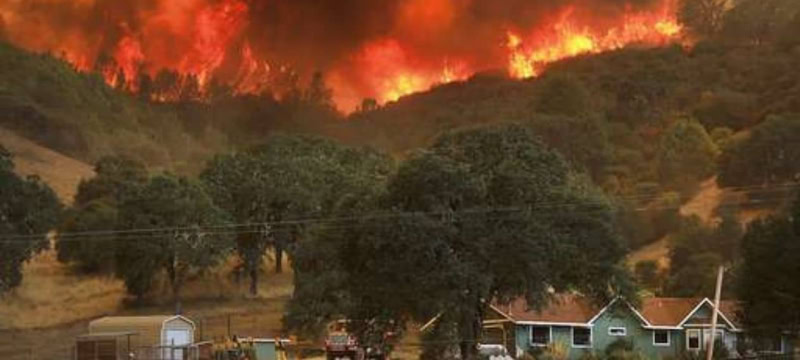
380	49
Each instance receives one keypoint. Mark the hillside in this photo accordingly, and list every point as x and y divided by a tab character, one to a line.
61	172
702	205
54	304
651	129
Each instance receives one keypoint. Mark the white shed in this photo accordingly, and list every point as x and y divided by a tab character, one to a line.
151	331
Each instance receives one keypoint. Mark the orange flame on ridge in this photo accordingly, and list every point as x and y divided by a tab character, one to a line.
566	37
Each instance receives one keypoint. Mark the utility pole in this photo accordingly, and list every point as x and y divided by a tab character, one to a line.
710	353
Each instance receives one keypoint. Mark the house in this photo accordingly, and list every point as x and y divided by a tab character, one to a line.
660	327
164	337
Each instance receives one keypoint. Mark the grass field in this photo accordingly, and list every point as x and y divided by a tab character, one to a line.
62	173
40	319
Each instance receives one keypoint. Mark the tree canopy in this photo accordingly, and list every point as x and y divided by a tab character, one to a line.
483	215
96	209
767	285
768	155
291	178
686	154
28	209
188	233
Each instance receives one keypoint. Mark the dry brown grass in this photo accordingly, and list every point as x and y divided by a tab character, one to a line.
41	318
62	173
702	205
51	295
53	306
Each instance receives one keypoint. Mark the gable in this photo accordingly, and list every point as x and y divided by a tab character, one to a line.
701	316
618	313
495	315
703	312
667	312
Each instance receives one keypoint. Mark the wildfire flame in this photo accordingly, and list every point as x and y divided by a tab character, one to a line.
567	37
206	40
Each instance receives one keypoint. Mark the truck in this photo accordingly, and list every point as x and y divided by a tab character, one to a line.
341	344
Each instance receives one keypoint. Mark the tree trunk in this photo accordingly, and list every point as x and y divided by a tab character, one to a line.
470	329
278	257
254	279
172	272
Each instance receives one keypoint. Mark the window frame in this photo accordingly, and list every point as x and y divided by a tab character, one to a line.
780	342
699	334
549	335
669	338
623	334
591	336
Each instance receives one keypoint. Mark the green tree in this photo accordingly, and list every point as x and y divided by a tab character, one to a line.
487	214
696	250
767	280
647	274
581	139
28	209
186	233
686	155
759	22
769	155
90	253
95	209
286	179
562	94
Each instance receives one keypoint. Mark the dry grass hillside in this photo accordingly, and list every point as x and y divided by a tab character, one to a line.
61	172
701	205
40	319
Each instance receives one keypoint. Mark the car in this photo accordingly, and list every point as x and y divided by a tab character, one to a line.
340	344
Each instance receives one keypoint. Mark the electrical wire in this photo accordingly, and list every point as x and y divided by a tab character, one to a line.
275	226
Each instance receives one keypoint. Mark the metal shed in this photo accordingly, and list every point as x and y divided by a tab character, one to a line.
164	331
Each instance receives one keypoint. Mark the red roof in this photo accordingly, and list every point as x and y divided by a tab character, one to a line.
667	311
575	309
731	308
563	309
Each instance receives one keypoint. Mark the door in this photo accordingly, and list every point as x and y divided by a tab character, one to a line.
175	338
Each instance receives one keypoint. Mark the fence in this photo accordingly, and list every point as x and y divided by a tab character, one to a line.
59	343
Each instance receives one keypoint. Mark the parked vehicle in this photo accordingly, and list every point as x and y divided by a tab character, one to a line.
340	344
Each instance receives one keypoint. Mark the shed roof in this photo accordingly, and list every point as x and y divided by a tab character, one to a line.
135	321
107	335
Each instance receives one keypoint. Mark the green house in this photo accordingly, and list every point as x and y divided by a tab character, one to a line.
659	328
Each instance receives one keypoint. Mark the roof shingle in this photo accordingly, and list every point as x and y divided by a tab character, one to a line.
563	309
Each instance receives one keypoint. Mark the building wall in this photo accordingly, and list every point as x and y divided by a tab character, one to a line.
561	336
147	334
641	338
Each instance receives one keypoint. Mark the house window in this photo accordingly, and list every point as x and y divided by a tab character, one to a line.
776	345
693	339
661	337
768	345
617	331
581	337
540	335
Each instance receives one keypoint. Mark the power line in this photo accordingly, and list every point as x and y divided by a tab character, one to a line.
275	226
